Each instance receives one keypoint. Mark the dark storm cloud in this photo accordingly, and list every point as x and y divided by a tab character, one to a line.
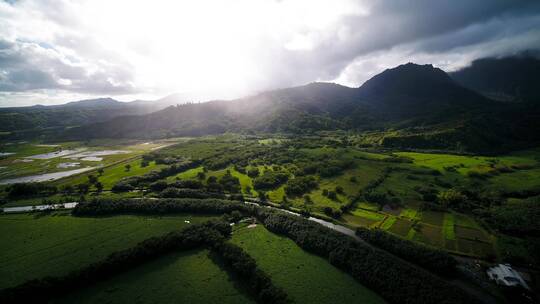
428	27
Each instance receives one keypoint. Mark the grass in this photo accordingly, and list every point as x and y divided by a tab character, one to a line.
448	226
388	222
368	214
186	277
305	277
111	175
37	245
401	227
410	213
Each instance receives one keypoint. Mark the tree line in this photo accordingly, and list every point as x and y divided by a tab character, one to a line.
434	260
383	273
376	269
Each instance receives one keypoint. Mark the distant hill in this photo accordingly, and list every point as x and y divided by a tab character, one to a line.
513	78
36	119
410	106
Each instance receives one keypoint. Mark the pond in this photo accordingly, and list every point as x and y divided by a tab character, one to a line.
43	177
67	165
94	155
55	154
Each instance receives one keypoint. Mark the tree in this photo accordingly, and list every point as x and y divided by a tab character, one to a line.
332	195
353	179
339	189
100	171
325	192
68	189
99	187
83	188
201	175
92	179
253	172
307	200
248	189
128	167
451	198
144	163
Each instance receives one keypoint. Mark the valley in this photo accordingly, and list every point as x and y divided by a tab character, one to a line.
458	204
405	189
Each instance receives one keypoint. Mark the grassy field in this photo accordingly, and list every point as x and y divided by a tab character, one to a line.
112	174
37	245
18	164
187	277
305	277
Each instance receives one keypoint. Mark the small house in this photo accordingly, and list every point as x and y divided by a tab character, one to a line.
504	274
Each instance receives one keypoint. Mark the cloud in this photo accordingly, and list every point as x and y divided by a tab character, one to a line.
59	48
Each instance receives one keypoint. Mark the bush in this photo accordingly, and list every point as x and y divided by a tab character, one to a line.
253	172
300	185
270	179
30	189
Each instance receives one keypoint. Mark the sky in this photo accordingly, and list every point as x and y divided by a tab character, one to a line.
58	51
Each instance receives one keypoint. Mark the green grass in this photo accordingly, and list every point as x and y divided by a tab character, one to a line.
448	226
186	277
37	245
388	222
410	213
305	277
368	214
112	174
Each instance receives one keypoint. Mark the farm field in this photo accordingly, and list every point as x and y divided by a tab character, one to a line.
305	277
37	245
402	183
186	277
398	192
32	159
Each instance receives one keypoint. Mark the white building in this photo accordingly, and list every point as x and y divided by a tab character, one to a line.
504	274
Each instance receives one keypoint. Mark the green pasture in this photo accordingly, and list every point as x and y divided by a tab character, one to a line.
39	244
184	277
305	277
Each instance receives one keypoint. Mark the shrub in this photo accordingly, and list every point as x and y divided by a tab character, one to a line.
300	185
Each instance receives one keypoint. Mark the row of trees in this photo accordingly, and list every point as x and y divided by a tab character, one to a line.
434	260
252	276
42	290
132	183
391	278
376	269
30	189
109	206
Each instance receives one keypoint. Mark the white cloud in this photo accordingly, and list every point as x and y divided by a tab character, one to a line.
135	48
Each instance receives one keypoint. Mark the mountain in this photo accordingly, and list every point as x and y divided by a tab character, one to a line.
34	120
513	79
410	106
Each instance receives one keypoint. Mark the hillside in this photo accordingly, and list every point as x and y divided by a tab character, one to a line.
22	122
422	105
506	79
